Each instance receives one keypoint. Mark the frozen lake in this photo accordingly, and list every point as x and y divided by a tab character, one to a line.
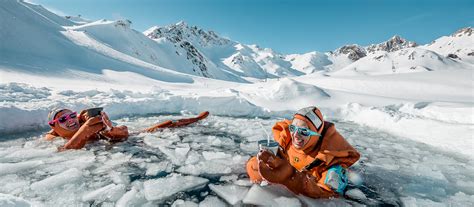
205	165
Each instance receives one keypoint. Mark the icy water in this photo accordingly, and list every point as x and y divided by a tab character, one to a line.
204	165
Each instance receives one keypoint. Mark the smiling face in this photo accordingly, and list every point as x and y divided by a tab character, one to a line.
71	124
298	140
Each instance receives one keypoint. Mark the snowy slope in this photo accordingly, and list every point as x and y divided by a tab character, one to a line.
120	37
40	10
459	45
43	49
309	62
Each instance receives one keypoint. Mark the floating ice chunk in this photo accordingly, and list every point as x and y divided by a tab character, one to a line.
243	182
182	151
215	155
119	178
110	192
155	141
285	201
131	198
233	194
307	201
354	178
107	204
234	164
183	203
212	201
461	199
118	158
115	160
265	196
205	167
177	155
228	178
162	188
13	184
428	171
193	157
57	180
415	202
356	194
250	147
28	153
12	168
154	168
79	161
12	201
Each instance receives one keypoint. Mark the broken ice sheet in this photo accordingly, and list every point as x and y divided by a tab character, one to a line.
233	194
162	188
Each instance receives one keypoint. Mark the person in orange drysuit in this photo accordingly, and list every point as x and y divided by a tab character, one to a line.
81	128
311	160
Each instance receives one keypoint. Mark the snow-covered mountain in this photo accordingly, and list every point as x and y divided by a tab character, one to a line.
459	45
309	62
393	44
181	49
398	55
205	49
38	42
401	61
345	55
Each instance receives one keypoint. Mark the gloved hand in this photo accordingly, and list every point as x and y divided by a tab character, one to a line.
272	168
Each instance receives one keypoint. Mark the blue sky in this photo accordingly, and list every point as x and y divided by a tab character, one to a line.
288	26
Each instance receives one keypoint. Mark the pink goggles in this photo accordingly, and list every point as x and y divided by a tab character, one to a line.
63	118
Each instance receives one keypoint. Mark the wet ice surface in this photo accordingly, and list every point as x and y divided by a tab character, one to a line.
204	165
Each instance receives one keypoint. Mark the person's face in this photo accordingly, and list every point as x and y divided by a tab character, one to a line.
71	122
298	140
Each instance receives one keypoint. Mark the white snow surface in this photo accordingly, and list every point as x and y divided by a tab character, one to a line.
409	111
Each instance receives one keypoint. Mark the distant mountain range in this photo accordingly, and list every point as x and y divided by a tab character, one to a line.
50	42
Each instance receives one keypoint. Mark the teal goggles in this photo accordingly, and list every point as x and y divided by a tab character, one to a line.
303	131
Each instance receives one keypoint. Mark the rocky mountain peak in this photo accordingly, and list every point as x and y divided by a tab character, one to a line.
393	44
353	52
181	31
464	31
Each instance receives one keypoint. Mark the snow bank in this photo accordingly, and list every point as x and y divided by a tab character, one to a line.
448	126
30	105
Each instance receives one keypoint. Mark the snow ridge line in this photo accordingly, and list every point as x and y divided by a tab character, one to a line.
49	20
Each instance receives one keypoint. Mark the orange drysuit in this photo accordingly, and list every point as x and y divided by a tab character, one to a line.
90	129
101	127
303	171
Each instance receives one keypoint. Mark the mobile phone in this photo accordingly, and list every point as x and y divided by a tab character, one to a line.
92	112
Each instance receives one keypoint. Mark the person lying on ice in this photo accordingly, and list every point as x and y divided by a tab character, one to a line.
312	157
81	128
